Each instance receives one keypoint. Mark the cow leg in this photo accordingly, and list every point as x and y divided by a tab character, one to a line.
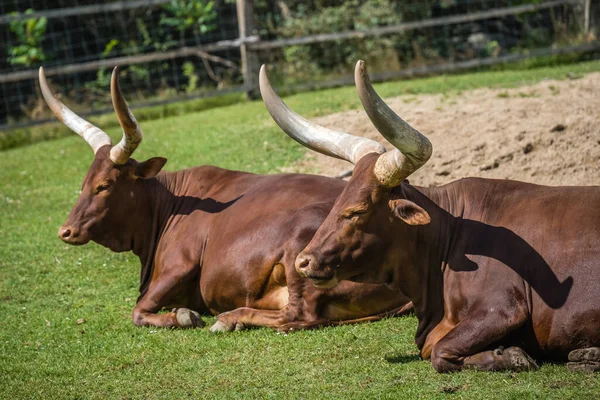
145	312
463	345
320	323
584	360
178	318
246	317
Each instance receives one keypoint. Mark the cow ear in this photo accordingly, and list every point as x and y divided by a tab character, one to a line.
409	212
150	168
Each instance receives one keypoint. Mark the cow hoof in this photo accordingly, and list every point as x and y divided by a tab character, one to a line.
240	326
584	360
221	326
187	318
585	366
588	354
287	328
519	360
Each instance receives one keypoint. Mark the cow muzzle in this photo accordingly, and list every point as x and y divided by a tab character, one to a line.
322	279
71	235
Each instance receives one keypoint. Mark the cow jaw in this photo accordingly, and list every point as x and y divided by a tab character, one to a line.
321	283
114	243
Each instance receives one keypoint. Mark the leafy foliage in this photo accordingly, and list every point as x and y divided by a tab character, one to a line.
186	14
349	15
413	48
186	18
189	71
30	34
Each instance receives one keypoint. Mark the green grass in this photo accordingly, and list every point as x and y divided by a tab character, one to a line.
46	286
17	137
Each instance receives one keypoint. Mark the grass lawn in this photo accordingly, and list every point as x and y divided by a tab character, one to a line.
65	311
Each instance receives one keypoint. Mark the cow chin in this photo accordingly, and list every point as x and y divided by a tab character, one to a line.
78	241
324	283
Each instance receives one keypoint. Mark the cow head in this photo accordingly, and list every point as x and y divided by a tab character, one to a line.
355	241
110	193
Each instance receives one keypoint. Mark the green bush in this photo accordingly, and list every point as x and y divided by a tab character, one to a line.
30	34
413	48
303	62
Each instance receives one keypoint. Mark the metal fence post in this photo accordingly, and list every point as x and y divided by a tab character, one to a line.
250	64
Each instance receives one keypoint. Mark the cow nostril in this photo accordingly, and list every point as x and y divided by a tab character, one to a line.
64	233
303	263
67	233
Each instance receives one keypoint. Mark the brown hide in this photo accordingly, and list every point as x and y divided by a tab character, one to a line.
501	263
215	240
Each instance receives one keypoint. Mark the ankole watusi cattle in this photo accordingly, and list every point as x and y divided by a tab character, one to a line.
497	270
209	239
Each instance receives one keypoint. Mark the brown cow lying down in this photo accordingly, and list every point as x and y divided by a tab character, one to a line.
209	239
497	270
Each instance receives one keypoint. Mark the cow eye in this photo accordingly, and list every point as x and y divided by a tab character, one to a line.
102	187
355	213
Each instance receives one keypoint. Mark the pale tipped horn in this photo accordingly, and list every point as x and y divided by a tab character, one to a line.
132	133
318	138
93	135
413	148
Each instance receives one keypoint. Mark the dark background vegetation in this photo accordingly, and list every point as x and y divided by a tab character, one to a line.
29	43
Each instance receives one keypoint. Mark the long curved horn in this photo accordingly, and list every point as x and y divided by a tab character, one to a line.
132	133
413	148
318	138
93	135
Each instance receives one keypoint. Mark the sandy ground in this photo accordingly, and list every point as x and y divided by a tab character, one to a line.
547	133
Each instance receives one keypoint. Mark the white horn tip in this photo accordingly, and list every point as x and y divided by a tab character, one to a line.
46	91
262	75
360	67
360	72
263	82
115	76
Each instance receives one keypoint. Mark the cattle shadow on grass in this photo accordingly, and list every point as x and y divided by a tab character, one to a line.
402	358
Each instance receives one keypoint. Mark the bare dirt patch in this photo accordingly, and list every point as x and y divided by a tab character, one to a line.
547	133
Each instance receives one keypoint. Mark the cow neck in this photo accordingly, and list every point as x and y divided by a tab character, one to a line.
170	202
151	226
431	246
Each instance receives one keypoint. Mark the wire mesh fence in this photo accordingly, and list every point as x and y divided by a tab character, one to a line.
175	49
82	34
